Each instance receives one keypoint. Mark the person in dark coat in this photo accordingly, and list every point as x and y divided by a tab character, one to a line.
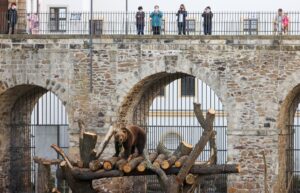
12	18
207	20
181	19
140	21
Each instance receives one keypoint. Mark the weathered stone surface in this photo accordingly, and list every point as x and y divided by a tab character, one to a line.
255	77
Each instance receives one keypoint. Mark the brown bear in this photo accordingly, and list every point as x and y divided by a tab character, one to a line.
130	137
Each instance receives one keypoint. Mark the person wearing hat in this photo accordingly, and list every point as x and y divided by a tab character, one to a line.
207	20
12	18
140	21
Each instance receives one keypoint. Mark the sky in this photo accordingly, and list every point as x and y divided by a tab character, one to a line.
199	5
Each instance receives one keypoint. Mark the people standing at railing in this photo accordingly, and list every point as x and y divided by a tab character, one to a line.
285	23
278	25
181	19
33	23
156	17
207	20
12	18
140	21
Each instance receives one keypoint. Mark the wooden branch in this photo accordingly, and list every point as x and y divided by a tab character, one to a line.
162	149
62	153
161	175
85	174
213	148
95	165
208	130
131	165
109	163
108	136
180	161
142	166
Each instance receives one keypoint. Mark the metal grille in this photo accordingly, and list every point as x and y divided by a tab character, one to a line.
293	154
38	119
168	116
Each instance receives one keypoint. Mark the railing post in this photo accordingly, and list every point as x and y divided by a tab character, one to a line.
126	22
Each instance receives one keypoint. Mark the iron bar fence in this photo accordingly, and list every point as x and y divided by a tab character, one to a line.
108	23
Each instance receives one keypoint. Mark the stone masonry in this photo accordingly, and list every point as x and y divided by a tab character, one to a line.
256	78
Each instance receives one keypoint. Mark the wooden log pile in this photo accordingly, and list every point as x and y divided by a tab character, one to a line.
173	169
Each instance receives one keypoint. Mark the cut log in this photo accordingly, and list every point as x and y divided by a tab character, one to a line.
182	149
190	179
120	164
109	163
44	161
128	167
87	145
162	149
160	158
95	165
142	166
181	161
86	174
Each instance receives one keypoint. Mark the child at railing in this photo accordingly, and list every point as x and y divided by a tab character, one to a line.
140	21
285	23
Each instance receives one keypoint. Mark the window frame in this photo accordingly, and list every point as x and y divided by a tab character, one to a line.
57	19
181	90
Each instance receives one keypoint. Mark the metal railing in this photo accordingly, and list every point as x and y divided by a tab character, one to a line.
223	23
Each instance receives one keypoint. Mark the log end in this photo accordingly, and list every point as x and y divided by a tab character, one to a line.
211	111
178	164
190	179
165	165
127	168
141	167
107	165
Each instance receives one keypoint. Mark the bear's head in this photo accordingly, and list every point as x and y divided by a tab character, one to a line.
121	135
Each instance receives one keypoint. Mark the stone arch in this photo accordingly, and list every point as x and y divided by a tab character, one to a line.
289	99
16	105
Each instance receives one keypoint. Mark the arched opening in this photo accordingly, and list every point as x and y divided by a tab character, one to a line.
289	146
34	119
163	105
293	153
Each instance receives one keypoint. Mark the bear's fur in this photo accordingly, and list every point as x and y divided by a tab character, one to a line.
130	137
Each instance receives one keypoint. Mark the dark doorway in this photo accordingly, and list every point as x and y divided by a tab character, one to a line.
3	10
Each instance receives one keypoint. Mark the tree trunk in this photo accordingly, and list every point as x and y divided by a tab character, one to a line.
162	149
106	140
87	174
77	186
87	145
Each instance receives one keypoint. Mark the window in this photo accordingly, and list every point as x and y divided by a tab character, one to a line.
58	19
188	86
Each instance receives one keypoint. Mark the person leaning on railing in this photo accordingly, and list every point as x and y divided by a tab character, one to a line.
12	18
181	19
285	23
140	21
156	17
207	20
